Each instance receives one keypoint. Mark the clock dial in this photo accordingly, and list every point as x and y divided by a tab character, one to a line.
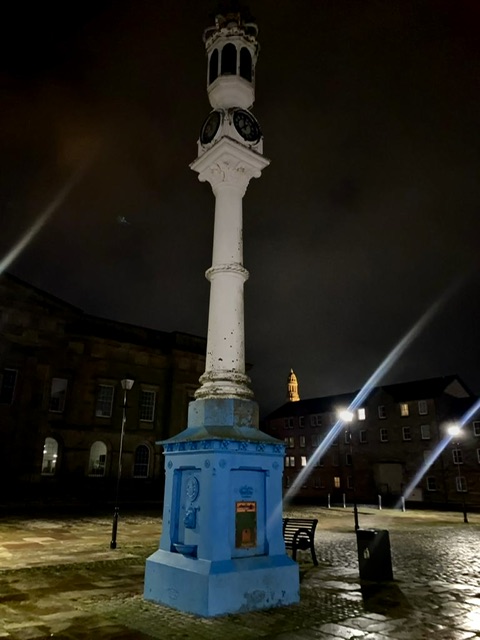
210	127
246	125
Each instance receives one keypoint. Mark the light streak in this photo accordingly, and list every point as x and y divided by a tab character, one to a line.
383	368
41	220
467	416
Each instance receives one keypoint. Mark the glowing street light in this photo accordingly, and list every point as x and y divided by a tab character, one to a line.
455	432
127	384
347	416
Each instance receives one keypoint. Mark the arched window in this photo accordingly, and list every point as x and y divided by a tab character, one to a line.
229	59
141	462
50	456
213	67
245	64
98	459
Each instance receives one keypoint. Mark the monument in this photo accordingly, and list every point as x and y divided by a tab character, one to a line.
222	549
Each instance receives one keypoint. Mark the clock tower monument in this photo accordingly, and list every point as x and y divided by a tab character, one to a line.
222	549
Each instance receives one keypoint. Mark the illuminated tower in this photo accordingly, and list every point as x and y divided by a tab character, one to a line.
293	387
222	548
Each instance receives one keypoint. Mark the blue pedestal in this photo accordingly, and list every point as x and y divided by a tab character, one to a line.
222	549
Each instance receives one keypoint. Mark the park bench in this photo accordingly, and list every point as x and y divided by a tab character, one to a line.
299	533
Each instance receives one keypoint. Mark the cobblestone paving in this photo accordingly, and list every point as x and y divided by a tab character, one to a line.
59	579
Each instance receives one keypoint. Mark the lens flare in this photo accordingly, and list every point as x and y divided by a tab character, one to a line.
367	388
41	220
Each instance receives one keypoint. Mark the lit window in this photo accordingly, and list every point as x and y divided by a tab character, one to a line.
147	405
291	442
383	435
103	408
361	414
141	461
422	408
476	428
431	483
425	431
301	421
478	455
457	456
348	459
336	482
303	461
363	436
349	482
302	441
98	459
50	456
290	461
461	483
382	413
406	433
58	392
8	379
404	412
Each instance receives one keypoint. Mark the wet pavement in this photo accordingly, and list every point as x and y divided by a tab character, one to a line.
59	579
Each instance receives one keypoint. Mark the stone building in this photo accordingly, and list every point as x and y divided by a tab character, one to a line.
386	446
61	400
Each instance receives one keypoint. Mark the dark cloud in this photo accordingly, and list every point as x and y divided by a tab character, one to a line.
367	214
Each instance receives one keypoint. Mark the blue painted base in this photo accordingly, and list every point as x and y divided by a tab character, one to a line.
210	589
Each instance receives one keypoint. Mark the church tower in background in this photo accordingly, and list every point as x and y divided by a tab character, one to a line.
293	387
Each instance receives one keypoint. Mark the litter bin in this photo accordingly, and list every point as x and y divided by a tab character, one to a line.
374	557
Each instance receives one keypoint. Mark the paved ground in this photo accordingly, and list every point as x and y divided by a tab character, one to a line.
59	579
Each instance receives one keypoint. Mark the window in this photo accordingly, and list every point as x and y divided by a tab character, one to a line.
363	436
382	414
303	461
318	483
288	423
457	456
229	59
58	392
291	442
8	379
146	408
348	436
336	482
361	414
348	459
302	441
404	412
349	482
406	433
141	461
287	481
431	483
461	483
383	435
213	66
301	421
103	408
50	455
478	455
289	461
315	440
316	420
98	459
245	64
319	462
425	431
422	408
476	428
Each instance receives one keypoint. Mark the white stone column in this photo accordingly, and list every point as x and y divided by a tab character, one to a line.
228	167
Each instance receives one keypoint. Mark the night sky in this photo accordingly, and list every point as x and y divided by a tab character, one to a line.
367	215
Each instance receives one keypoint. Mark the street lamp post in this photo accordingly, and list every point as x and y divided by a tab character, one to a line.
347	417
454	431
127	384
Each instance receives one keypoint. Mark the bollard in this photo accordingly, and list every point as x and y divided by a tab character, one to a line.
379	502
344	502
328	501
403	503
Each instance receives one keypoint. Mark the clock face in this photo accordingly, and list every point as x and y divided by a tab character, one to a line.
210	127
246	125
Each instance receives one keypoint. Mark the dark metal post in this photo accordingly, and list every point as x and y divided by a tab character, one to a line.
355	509
126	384
464	508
